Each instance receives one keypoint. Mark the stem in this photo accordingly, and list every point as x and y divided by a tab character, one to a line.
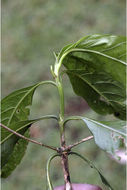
47	82
48	172
27	139
64	155
72	118
61	95
64	161
79	142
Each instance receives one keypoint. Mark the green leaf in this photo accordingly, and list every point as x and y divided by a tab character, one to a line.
10	142
14	109
108	135
9	139
16	157
97	71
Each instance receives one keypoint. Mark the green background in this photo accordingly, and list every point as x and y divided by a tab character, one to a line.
31	31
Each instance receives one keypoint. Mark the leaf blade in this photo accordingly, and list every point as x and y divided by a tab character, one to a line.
15	109
15	159
100	56
108	135
14	106
11	142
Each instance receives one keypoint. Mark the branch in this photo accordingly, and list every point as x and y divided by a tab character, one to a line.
79	142
27	139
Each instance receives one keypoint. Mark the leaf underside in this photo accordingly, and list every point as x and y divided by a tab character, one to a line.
110	136
97	71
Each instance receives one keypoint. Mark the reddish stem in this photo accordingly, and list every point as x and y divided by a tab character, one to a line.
65	165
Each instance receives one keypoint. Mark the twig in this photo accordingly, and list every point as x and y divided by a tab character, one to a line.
27	139
79	142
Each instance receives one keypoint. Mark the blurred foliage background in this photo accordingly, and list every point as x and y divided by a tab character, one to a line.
31	31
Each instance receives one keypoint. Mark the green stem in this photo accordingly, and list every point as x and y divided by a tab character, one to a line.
72	118
64	156
61	95
47	82
48	171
